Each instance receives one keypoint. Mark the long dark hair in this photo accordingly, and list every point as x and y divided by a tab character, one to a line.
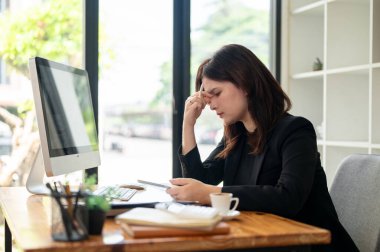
267	102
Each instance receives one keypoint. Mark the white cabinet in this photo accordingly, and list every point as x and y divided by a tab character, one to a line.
342	98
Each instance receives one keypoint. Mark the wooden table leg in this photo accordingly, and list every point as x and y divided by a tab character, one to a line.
7	238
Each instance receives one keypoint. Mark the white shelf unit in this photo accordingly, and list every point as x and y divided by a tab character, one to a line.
342	100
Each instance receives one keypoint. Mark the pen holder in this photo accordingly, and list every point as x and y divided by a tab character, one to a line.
69	218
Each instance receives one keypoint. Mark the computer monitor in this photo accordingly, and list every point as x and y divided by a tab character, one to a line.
65	119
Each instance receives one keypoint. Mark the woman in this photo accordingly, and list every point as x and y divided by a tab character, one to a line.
267	157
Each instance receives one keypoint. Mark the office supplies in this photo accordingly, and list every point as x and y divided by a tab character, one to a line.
69	200
66	225
115	192
148	197
132	186
78	194
153	183
64	215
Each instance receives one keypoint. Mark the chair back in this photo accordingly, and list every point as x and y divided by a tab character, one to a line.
355	192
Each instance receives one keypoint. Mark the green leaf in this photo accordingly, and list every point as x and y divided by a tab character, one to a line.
52	29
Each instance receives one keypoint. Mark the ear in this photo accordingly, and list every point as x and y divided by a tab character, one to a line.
244	92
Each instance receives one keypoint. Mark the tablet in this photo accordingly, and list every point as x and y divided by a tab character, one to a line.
145	182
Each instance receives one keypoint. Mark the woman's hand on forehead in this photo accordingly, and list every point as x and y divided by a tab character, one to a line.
206	96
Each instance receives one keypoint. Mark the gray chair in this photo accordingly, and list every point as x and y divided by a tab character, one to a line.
355	192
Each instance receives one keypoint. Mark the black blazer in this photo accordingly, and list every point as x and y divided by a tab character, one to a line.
287	178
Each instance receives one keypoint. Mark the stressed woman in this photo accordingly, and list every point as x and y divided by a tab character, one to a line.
267	158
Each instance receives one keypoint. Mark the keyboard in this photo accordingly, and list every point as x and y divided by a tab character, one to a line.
115	192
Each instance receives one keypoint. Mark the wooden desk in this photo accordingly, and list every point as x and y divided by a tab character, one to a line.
28	216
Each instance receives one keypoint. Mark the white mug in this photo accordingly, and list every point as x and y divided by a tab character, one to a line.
222	202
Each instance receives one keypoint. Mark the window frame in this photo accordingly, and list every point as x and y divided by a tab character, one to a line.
181	62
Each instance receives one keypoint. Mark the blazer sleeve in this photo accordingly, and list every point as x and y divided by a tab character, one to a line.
211	171
295	147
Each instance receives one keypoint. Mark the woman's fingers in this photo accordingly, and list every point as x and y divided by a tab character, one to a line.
191	189
195	99
180	181
200	95
178	191
195	104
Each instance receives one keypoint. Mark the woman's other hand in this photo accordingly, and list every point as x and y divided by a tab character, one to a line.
187	189
194	106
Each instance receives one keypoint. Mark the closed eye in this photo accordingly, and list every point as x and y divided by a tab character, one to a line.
214	92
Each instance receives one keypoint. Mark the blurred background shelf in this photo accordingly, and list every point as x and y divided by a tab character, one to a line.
341	97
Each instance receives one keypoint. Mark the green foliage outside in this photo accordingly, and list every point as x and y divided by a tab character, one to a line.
52	29
163	96
230	23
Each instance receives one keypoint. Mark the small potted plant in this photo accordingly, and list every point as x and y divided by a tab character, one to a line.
97	206
317	65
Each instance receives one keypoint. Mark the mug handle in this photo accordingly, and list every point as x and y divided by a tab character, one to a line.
235	204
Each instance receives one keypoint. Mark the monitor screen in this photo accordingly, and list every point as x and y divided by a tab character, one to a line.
65	118
67	107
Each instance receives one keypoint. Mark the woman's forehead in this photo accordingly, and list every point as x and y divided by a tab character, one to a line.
209	84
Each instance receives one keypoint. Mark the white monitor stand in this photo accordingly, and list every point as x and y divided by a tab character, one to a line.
35	182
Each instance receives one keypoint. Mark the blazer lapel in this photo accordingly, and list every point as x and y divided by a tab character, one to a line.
233	162
257	166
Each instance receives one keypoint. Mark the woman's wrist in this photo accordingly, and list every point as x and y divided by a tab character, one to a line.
188	139
211	189
188	124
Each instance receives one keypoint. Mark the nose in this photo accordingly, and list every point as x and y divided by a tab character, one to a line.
212	107
210	101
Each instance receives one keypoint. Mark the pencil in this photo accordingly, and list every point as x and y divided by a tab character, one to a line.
69	200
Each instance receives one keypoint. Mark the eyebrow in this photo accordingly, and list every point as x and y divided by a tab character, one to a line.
212	91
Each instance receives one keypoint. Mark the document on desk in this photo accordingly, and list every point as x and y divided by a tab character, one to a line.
143	198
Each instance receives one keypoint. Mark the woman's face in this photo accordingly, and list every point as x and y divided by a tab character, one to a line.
228	101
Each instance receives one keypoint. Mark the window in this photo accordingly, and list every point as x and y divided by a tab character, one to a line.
51	29
135	90
2	73
135	78
2	65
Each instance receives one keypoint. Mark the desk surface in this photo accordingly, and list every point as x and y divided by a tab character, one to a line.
28	217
